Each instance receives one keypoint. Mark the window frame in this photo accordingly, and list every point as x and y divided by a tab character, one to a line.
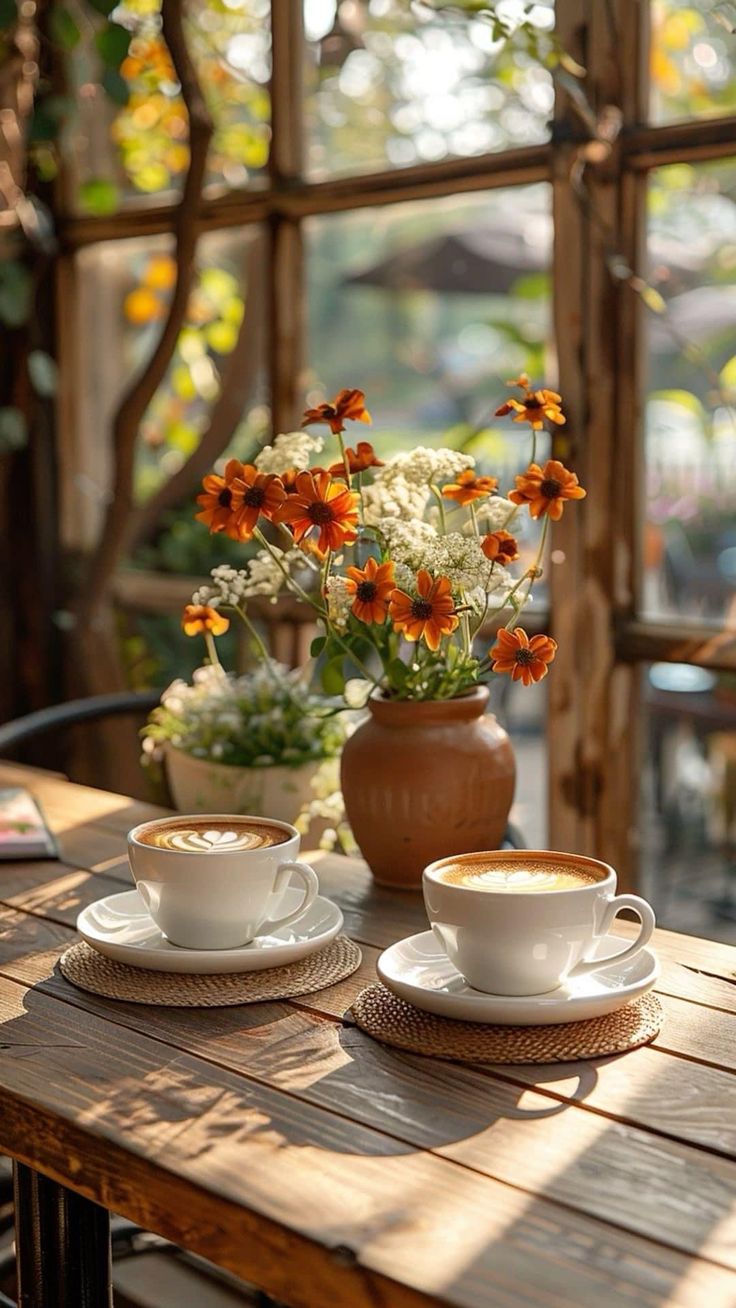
595	610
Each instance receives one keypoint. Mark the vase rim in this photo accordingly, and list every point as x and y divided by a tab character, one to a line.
470	704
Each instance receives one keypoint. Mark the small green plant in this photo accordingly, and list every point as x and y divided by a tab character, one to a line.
264	718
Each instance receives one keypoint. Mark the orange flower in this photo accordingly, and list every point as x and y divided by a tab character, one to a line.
430	614
346	404
199	618
358	460
468	487
324	504
500	547
523	659
217	500
372	587
534	406
254	494
545	489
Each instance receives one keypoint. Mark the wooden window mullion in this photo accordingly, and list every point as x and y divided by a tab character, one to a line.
286	299
592	698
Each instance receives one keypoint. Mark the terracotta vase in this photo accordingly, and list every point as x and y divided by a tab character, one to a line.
421	780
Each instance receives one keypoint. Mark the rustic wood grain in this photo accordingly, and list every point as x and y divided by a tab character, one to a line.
153	1114
562	1149
458	1112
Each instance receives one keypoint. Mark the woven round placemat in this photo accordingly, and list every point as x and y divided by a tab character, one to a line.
85	968
391	1020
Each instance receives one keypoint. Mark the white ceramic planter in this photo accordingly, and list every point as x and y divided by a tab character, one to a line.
200	786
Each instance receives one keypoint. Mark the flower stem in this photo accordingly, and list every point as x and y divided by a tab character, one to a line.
438	496
209	641
344	457
474	518
292	584
532	573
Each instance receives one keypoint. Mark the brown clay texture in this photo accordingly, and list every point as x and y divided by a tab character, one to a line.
423	780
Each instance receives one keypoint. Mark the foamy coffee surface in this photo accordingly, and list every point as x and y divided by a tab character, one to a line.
213	837
518	878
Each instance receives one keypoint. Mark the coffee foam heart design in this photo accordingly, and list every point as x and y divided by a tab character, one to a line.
196	842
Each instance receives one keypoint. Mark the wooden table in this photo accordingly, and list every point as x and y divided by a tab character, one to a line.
282	1143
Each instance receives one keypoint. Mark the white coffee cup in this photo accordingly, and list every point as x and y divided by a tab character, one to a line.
508	942
218	898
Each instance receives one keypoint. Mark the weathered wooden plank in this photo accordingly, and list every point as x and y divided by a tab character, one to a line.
155	1117
525	1139
54	890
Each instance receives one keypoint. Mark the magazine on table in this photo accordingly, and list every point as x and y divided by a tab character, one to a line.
23	829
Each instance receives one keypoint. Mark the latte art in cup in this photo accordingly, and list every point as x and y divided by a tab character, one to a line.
522	922
526	878
208	837
214	881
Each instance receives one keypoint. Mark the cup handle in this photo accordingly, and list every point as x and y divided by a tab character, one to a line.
644	912
311	890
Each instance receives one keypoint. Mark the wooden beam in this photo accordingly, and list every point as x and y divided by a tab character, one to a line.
286	319
691	142
592	698
650	642
299	198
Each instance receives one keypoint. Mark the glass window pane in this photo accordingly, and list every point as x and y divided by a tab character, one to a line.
692	60
688	857
390	84
130	151
689	539
123	289
429	307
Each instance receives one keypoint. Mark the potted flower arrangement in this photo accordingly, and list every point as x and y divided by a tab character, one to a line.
405	562
242	744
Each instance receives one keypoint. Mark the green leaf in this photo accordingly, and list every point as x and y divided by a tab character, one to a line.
333	677
13	430
531	286
115	86
99	196
397	672
62	28
316	647
104	7
16	289
8	13
43	373
112	44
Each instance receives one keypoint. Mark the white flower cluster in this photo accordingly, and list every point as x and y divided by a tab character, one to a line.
261	576
262	718
425	467
339	601
292	449
327	807
460	558
401	489
395	499
494	513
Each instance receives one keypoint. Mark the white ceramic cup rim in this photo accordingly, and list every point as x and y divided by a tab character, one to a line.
520	856
134	836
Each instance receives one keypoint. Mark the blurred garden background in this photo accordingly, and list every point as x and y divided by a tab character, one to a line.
428	304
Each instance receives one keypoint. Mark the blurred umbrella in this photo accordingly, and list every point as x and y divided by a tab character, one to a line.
480	262
490	259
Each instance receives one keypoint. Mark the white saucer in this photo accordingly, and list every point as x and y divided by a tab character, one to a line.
121	927
418	970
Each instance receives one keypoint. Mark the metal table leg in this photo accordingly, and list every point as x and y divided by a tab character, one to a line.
62	1245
